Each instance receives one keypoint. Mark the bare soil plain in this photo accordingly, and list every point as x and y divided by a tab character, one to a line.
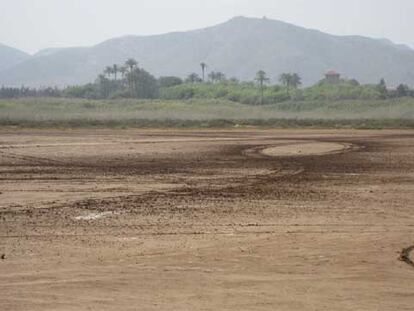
206	220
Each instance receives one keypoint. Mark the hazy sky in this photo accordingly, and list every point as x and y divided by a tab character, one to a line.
31	25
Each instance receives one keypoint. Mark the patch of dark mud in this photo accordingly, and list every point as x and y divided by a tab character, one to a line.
405	256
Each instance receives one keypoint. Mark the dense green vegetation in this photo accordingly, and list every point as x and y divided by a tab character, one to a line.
131	81
129	95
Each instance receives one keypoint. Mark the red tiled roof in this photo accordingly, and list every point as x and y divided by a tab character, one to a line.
332	73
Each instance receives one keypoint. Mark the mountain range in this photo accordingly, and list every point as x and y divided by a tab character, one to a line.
239	48
10	57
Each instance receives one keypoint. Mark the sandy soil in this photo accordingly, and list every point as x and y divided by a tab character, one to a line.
206	220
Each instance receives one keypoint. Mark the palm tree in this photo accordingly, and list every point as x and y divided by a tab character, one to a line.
262	78
296	80
123	70
101	78
115	70
286	80
108	71
203	69
290	80
216	76
103	84
131	64
212	76
220	76
134	78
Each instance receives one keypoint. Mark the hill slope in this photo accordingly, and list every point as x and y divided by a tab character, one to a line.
239	47
10	56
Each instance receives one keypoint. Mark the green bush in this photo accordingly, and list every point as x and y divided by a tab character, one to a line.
341	91
245	93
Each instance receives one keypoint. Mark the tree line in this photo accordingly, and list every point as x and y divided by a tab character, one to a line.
129	80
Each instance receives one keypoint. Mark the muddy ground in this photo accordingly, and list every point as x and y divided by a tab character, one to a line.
206	220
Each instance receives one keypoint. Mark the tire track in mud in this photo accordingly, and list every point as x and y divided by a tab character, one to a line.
285	169
201	232
257	184
31	159
232	188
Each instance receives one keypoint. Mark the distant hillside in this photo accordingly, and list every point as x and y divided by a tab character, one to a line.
10	57
239	48
48	51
